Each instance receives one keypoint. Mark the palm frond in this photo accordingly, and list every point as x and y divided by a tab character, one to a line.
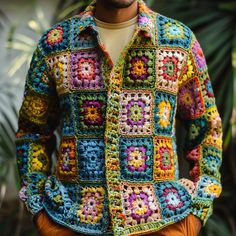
3	19
23	43
66	12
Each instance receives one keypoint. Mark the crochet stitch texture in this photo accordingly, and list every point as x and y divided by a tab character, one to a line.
117	165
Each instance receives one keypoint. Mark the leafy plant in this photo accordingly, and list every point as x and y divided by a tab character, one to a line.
25	46
3	19
69	8
23	43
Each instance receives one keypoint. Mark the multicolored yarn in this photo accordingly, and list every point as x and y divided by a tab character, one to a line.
117	166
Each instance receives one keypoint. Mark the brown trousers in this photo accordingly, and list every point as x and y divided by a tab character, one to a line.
185	227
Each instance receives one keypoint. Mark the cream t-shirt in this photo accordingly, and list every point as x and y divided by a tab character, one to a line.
115	36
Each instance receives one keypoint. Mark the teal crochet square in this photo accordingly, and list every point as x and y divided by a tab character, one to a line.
136	159
208	188
174	199
81	40
91	159
37	77
164	108
57	38
173	33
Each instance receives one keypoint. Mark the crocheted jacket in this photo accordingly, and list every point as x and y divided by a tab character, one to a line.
116	170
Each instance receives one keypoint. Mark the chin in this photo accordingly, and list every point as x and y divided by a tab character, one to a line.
119	3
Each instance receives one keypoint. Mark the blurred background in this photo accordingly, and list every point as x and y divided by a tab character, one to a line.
21	25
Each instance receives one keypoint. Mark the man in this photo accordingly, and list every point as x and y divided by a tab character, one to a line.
114	79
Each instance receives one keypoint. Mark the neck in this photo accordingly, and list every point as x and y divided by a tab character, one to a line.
109	14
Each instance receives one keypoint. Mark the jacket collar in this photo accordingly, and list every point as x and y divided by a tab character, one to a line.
146	20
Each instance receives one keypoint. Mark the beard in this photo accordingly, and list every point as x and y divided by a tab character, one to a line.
118	3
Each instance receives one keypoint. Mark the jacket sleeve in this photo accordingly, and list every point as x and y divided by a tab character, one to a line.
203	145
35	141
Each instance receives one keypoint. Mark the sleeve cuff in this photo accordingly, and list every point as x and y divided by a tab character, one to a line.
202	209
33	203
32	191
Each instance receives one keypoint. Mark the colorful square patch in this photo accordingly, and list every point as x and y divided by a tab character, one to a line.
91	205
59	68
211	162
208	188
136	159
190	100
164	113
198	56
189	71
35	107
81	40
39	161
136	113
168	67
174	199
140	204
164	166
214	131
56	39
173	33
67	169
37	78
139	70
91	159
86	71
91	110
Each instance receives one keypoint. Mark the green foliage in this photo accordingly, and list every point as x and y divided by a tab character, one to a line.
8	117
70	9
23	43
216	227
66	9
3	20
